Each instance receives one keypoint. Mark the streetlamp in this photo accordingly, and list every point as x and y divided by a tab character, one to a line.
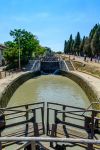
19	62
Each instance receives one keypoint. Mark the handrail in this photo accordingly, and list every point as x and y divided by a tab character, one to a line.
50	139
52	103
29	104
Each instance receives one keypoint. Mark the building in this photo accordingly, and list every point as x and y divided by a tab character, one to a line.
2	47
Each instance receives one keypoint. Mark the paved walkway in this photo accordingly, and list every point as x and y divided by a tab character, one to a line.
95	82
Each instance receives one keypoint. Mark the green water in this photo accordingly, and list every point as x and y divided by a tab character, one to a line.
50	88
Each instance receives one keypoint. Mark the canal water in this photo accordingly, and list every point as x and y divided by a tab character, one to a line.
50	88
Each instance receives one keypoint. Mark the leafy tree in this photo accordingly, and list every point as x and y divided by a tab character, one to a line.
11	52
27	42
40	51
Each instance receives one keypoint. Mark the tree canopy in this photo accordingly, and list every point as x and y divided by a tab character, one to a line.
26	42
89	45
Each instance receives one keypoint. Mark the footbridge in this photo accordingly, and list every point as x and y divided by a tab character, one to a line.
49	126
52	65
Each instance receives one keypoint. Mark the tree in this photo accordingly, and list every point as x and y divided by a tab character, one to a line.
65	47
87	48
26	42
89	45
95	42
70	43
82	46
77	43
11	52
92	32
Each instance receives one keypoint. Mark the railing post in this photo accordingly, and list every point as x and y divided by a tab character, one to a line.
63	114
0	142
35	125
63	119
55	121
42	115
27	117
48	120
92	125
33	144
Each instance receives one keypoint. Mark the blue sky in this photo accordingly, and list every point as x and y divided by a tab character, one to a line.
51	20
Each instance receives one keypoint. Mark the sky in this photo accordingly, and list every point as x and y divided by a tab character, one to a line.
52	21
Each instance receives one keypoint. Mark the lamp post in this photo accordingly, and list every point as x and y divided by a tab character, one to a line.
19	62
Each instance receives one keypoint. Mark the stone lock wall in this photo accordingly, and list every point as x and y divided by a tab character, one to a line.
11	88
85	85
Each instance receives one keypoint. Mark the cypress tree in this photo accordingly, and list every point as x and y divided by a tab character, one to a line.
95	42
82	46
92	32
70	43
87	48
77	43
65	47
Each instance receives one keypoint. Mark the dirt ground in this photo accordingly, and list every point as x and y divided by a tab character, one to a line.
89	67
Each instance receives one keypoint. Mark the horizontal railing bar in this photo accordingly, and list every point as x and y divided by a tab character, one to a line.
18	123
20	111
21	116
76	114
53	109
49	139
24	105
71	124
72	111
8	114
74	118
48	103
15	110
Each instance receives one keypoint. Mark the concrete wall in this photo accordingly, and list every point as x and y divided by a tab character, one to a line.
11	88
49	67
85	85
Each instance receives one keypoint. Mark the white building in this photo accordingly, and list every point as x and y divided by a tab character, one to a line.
2	47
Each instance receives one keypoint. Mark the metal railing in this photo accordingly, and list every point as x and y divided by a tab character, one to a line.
27	123
25	120
69	121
